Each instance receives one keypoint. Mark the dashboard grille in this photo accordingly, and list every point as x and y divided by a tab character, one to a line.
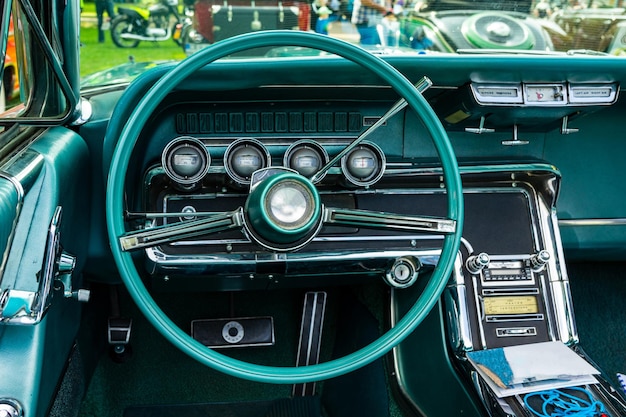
268	122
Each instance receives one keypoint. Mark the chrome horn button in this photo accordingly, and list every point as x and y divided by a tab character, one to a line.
283	210
290	204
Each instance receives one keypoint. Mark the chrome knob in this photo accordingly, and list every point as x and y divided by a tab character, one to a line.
66	263
10	408
539	260
477	263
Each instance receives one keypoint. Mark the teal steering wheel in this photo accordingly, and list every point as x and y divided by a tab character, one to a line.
183	341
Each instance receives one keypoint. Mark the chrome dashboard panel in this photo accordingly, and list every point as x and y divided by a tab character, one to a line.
231	259
545	94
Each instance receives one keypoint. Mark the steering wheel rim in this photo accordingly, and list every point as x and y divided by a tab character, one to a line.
183	341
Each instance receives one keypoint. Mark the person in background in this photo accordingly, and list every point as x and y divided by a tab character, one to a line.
323	20
101	7
366	15
542	9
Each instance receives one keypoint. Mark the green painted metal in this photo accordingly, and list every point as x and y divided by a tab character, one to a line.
410	23
262	222
471	33
136	288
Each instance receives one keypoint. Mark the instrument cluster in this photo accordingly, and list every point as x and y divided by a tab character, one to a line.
186	160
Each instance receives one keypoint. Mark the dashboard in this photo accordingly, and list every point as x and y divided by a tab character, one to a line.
197	161
196	155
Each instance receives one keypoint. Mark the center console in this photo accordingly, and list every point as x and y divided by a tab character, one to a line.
509	290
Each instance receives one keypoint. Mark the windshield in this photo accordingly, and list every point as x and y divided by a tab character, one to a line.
119	41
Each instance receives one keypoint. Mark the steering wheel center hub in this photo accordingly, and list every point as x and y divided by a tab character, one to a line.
282	210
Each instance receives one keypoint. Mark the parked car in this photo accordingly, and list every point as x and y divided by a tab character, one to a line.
443	25
594	26
286	223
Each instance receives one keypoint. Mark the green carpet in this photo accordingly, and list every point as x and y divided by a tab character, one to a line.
284	407
599	294
158	374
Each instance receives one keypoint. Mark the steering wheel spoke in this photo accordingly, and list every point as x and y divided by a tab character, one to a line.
388	221
174	232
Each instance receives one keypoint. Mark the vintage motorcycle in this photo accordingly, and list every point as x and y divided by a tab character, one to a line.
159	22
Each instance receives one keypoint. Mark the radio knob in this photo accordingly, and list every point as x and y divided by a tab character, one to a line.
477	263
539	260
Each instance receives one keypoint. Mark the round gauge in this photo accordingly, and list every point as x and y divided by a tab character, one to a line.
186	160
243	157
306	157
364	165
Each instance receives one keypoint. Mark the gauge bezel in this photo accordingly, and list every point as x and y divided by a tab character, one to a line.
378	154
303	144
239	144
180	143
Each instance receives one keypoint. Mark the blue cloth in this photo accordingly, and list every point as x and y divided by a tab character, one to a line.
321	26
369	34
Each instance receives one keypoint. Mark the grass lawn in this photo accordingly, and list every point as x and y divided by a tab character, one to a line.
96	56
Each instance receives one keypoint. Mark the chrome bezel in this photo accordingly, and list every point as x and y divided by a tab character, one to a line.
239	144
309	205
377	153
179	143
302	144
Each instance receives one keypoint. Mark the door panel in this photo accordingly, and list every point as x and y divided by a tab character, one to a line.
39	322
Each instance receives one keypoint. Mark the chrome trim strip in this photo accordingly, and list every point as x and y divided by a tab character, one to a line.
410	238
29	307
459	293
480	311
168	233
381	220
379	261
564	328
22	170
592	222
562	287
478	169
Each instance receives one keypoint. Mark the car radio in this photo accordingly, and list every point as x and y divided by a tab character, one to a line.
511	297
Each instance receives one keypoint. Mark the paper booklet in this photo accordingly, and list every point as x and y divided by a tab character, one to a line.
532	367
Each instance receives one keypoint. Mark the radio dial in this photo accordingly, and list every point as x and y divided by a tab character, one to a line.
539	260
477	263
